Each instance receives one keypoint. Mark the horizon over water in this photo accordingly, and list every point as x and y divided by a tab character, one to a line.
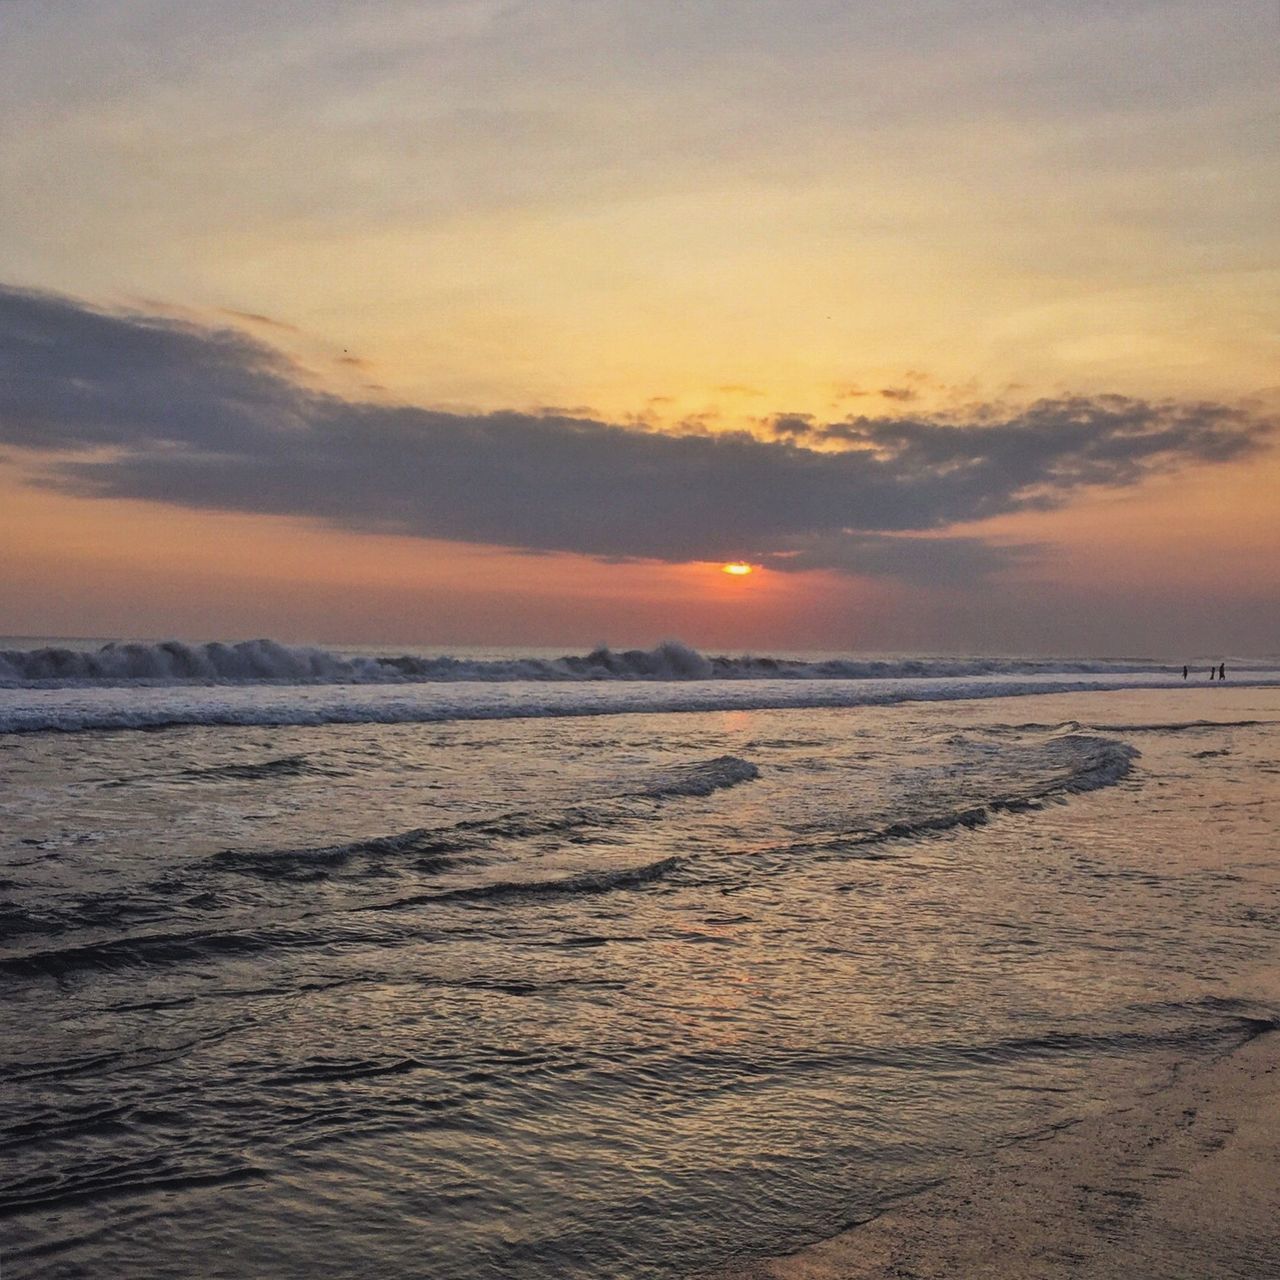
631	963
263	682
497	651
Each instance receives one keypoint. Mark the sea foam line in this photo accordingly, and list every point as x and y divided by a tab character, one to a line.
70	711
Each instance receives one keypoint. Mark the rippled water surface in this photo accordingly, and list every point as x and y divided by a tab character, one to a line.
617	995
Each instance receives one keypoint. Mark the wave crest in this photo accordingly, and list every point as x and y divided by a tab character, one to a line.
268	661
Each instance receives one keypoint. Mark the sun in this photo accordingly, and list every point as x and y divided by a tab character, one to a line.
738	568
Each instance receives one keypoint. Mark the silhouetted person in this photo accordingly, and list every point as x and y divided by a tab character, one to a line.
1222	671
1212	673
1184	673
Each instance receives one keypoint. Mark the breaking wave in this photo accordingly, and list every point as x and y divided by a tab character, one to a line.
263	683
267	661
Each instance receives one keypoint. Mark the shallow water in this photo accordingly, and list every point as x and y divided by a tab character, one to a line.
619	995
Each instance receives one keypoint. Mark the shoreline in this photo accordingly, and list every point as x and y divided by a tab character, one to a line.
273	705
1181	1181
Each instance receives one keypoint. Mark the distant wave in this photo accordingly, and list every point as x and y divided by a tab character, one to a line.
62	710
262	683
266	661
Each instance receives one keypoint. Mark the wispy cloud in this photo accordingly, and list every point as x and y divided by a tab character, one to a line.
135	406
256	317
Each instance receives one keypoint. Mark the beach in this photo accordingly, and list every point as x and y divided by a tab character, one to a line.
1178	1177
639	641
1181	1181
920	984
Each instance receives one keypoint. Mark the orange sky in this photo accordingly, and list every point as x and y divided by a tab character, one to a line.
156	571
692	218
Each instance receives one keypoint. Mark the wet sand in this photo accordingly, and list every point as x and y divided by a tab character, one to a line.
1181	1182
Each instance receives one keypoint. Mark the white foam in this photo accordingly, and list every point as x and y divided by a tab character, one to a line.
27	709
267	661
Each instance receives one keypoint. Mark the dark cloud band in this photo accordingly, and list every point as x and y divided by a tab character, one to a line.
135	406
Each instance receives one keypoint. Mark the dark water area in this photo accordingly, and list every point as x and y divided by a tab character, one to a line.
620	995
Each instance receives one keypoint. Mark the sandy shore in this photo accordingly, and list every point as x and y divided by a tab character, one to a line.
1184	1182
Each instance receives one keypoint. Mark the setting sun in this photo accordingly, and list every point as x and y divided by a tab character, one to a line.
737	568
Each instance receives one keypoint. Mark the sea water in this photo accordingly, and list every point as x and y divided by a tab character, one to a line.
619	965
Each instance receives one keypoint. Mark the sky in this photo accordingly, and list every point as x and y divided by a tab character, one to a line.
501	323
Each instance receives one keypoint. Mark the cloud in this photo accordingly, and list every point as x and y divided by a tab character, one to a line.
927	560
256	317
135	406
793	425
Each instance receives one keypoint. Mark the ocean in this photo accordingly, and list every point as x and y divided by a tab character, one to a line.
326	963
